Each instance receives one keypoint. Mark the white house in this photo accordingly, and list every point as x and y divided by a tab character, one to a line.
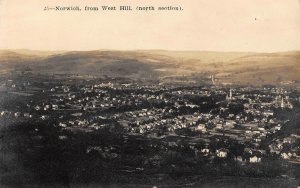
255	159
222	153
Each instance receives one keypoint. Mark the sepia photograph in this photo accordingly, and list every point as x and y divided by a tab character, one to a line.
150	94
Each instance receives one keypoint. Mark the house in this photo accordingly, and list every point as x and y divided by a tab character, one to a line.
2	113
17	114
286	155
44	117
201	127
37	107
248	150
255	159
205	151
62	125
27	115
222	153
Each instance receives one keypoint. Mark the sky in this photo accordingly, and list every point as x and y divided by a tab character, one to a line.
203	25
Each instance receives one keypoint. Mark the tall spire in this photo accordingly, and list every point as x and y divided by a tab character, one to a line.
282	103
213	80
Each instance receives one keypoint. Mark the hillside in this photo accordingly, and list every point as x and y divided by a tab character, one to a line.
227	67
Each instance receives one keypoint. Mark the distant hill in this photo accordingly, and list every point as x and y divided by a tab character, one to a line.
227	67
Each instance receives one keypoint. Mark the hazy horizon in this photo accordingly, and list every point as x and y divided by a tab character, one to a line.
133	50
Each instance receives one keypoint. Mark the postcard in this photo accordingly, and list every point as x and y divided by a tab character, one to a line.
149	93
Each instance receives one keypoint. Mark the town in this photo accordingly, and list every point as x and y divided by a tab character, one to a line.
159	125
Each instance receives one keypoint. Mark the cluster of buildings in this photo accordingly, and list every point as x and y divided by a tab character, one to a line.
248	116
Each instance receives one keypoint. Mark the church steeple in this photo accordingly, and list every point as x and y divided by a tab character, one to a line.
282	103
229	96
213	80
